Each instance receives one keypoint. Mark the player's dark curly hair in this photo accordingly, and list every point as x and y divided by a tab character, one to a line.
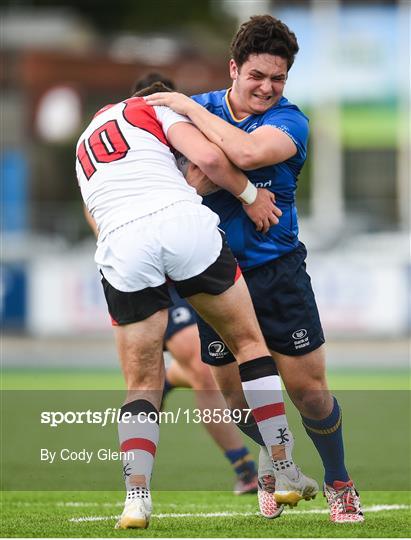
264	34
151	78
152	89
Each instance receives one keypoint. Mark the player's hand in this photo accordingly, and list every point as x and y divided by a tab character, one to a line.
199	181
263	211
178	102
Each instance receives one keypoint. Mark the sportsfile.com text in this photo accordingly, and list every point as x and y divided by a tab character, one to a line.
113	415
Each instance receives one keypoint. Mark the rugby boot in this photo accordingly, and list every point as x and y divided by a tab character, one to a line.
136	513
344	502
266	497
292	487
266	487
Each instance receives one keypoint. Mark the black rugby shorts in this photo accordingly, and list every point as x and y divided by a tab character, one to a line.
286	310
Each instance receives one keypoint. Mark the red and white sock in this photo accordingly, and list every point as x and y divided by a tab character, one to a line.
138	431
262	389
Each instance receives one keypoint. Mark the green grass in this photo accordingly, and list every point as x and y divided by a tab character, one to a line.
48	515
191	475
63	379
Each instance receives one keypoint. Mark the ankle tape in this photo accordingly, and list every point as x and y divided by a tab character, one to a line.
137	493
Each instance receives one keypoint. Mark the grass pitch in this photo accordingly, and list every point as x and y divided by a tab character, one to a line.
194	514
188	459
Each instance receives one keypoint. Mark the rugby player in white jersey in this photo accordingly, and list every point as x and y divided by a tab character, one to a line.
181	340
152	226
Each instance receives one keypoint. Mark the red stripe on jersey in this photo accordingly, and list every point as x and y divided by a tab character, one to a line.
268	411
139	114
106	108
139	443
238	274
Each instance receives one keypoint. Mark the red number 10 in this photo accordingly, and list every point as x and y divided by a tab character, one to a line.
106	143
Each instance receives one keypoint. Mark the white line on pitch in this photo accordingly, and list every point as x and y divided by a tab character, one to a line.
374	508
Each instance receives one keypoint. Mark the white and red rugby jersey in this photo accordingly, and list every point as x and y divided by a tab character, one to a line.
125	167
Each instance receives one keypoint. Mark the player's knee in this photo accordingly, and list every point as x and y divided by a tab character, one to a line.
187	356
202	377
198	374
184	346
312	403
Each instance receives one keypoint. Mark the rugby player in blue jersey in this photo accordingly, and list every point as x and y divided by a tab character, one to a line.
265	135
187	370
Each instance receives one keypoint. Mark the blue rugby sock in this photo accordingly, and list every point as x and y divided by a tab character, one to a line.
242	462
326	435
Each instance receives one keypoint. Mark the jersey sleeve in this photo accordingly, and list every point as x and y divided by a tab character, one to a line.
167	117
293	123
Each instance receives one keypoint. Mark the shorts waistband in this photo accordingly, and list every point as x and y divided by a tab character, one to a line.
130	222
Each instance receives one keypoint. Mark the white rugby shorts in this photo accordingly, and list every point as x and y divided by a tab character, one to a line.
179	242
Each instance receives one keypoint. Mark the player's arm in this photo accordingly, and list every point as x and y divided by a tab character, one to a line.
266	145
90	220
188	140
259	206
199	181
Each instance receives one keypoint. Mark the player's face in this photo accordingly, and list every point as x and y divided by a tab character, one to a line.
258	84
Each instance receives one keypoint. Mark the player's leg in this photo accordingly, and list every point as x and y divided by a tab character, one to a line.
140	349
230	306
270	491
226	373
184	346
176	376
216	273
221	297
228	380
232	315
305	379
180	316
137	300
288	315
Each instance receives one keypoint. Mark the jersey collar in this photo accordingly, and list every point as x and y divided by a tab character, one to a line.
230	111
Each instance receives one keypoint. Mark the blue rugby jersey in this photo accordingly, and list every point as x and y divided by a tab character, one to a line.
250	247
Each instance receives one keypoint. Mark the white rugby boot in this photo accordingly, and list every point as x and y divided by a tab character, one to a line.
137	511
291	485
